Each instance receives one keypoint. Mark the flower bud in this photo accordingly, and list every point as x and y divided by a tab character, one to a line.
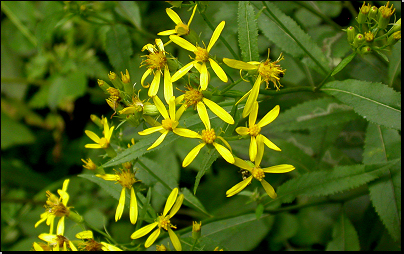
150	109
115	80
196	229
395	37
103	85
359	39
366	50
350	33
97	121
372	13
384	15
363	13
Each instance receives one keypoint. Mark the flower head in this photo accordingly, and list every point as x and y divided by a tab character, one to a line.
201	56
163	222
101	142
57	242
92	245
156	63
258	173
89	164
180	27
254	129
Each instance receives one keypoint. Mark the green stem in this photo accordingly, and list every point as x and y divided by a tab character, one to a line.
154	175
229	86
323	82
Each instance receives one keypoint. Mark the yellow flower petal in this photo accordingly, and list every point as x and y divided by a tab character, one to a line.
160	106
37	247
154	87
152	238
44	216
192	16
95	146
173	16
159	140
283	168
108	134
238	187
186	133
60	229
242	130
179	99
226	154
174	239
183	43
260	150
242	164
133	207
253	115
218	70
252	98
269	143
64	195
269	117
72	246
168	85
215	35
93	136
180	111
170	201
181	72
236	64
192	154
204	78
167	32
160	45
244	96
144	230
128	110
219	111
109	247
88	234
65	184
268	189
225	142
49	238
121	205
145	74
176	206
203	114
151	130
171	108
108	177
252	151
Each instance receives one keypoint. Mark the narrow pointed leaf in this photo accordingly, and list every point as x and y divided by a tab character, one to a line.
247	32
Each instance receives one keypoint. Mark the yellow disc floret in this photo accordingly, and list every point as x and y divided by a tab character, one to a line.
181	29
208	136
126	178
192	97
169	124
201	54
156	60
254	130
258	173
271	71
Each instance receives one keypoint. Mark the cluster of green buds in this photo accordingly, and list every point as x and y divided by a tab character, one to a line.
124	99
372	21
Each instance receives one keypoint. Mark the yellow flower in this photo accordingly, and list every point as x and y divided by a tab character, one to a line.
267	71
169	123
126	178
41	247
101	142
254	129
163	221
56	207
257	172
201	55
157	63
192	97
57	241
180	27
92	245
89	164
208	137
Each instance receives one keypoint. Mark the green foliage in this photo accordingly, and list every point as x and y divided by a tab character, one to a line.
118	47
247	32
344	236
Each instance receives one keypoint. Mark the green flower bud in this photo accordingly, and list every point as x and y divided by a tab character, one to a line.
150	109
372	13
363	13
97	121
350	33
103	85
395	37
196	230
115	80
366	50
384	15
75	217
359	40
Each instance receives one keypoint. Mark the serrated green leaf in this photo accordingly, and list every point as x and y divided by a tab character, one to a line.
343	63
118	47
382	145
376	102
395	63
345	237
193	202
324	183
313	114
247	32
130	10
287	34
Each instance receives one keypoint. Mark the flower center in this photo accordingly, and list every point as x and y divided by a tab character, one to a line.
254	130
369	36
192	97
208	136
126	178
258	173
113	92
386	11
92	245
164	222
182	29
60	240
169	124
103	142
202	55
156	60
271	72
56	207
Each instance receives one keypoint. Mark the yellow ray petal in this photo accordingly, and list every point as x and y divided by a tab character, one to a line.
253	115
269	117
244	96
152	238
173	16
242	164
171	108
238	187
225	142
121	204
180	111
108	134
144	231
252	97
108	177
60	229
192	16
215	35
192	154
181	72
176	206
218	70
72	246
128	110
203	114
269	143
93	136
170	201
93	146
159	140
133	207
204	78
174	239
160	106
242	130
236	64
160	44
168	85
65	184
226	154
88	234
167	32
109	247
252	151
268	189
145	74
151	130
260	150
186	133
183	43
49	238
154	87
283	168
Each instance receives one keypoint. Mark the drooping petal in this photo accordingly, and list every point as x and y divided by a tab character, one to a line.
218	70
154	87
160	45
183	43
225	142
133	207
238	187
252	151
145	74
203	114
215	35
121	205
186	133
236	64
95	146
170	201
253	115
181	72
269	143
93	136
159	140
173	16
244	96
160	106
108	177
219	111
204	78
175	240
269	117
151	130
268	189
192	154
88	234
167	32
171	108
60	229
144	230
224	152
176	206
252	97
152	238
44	216
168	85
37	247
192	16
242	164
242	130
283	168
49	238
260	150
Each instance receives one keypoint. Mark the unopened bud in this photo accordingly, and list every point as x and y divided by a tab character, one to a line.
196	229
350	33
150	109
97	121
384	15
372	13
397	26
359	39
103	85
115	81
366	50
363	13
395	37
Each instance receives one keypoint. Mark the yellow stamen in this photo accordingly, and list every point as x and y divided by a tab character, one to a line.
208	136
254	130
201	55
258	173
